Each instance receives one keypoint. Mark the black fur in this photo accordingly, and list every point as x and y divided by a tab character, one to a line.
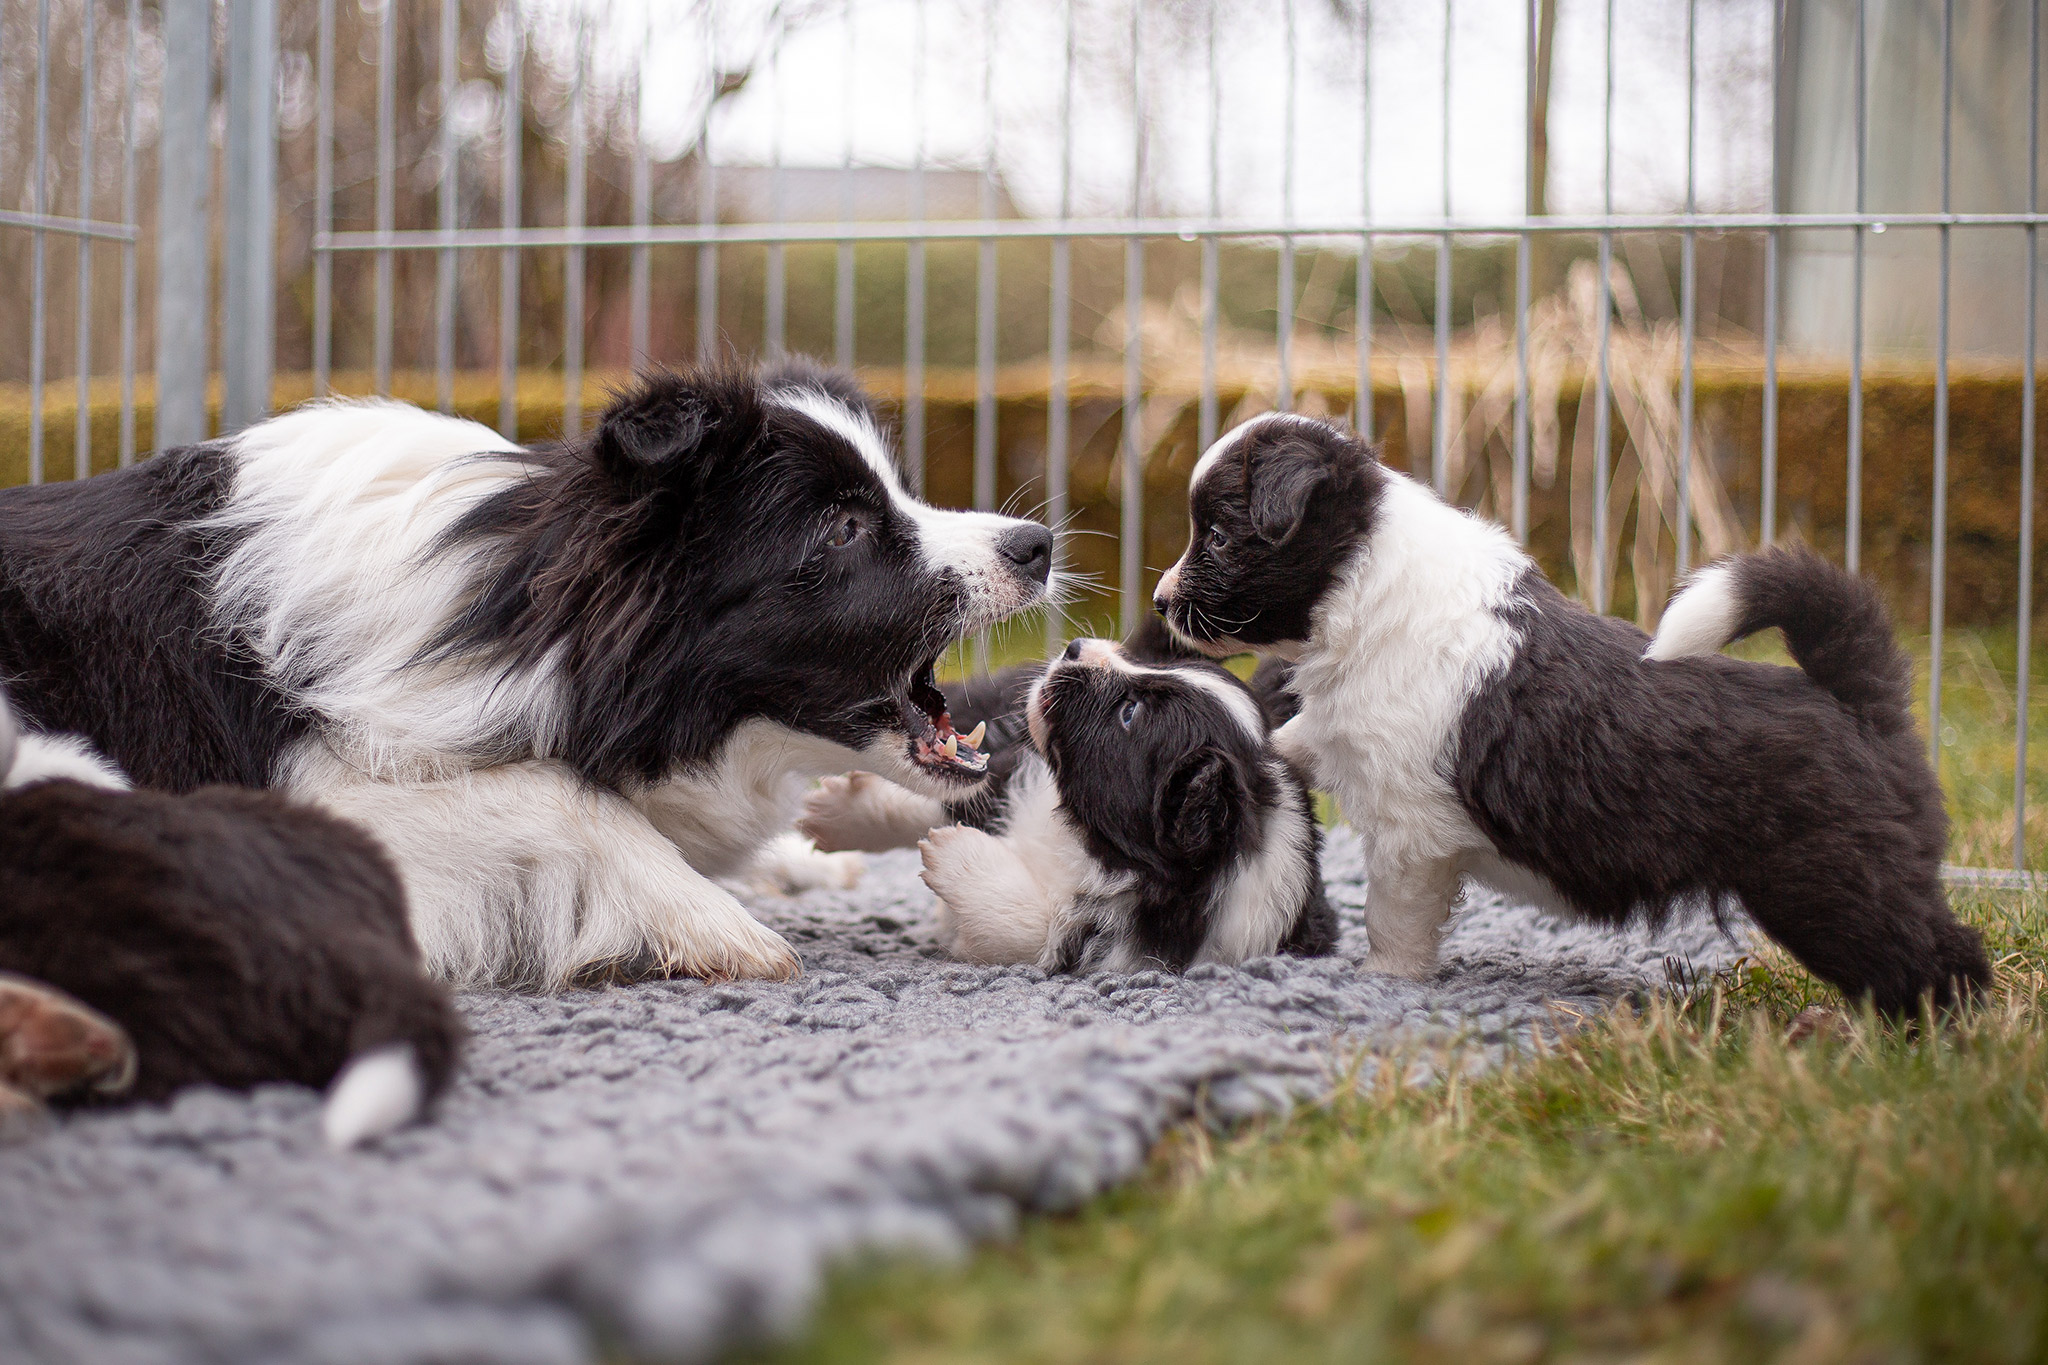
1280	514
1181	797
105	627
1805	794
238	937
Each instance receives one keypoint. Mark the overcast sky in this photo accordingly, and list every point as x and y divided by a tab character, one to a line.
852	78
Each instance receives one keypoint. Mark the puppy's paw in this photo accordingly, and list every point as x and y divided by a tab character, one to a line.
51	1044
960	863
860	812
1413	965
790	866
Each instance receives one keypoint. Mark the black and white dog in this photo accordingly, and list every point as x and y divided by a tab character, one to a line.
566	686
1136	816
223	936
1473	722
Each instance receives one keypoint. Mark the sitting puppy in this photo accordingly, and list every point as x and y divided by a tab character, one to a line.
233	936
1135	816
1473	722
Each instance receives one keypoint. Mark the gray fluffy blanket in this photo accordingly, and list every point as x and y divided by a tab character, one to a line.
667	1168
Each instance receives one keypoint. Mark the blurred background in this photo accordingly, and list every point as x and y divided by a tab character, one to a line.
1650	282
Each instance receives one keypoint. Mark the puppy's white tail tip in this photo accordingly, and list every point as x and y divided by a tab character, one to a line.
1703	617
375	1094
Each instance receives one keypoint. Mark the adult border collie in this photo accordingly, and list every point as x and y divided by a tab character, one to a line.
1136	816
1473	722
151	941
566	686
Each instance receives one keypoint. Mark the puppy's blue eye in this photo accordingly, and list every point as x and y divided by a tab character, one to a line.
1127	713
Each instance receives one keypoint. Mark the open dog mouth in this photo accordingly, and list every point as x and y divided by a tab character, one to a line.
935	745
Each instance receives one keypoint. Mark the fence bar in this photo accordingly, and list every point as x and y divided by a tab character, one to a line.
1767	512
323	204
640	271
387	172
1689	289
1106	229
775	310
38	247
1519	514
510	153
249	277
57	225
1361	395
1283	322
1603	400
985	303
1058	426
128	218
1937	589
707	202
1440	448
183	246
2026	606
572	264
842	280
914	279
1131	526
1852	550
444	276
81	437
1205	411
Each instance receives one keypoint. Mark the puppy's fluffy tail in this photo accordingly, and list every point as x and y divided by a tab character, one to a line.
403	1054
1834	624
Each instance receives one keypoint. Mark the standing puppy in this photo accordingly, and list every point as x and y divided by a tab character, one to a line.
1473	722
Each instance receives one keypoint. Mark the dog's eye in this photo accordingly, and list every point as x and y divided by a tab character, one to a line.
1127	713
1218	537
845	531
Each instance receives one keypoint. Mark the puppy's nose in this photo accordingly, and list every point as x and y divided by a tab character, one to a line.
1073	650
1159	604
1028	548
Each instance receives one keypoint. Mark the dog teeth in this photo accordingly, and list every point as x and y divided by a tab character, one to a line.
951	748
974	736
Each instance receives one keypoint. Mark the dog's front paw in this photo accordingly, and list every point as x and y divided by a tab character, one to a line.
836	814
717	939
790	866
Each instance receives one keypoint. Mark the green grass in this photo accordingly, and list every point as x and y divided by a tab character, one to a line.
1678	1182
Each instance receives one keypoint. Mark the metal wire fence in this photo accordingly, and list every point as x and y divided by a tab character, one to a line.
388	150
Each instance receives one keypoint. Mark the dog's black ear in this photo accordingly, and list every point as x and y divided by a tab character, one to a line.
668	418
1199	805
1281	491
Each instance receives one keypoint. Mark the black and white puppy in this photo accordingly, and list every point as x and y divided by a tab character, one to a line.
1136	817
567	687
234	936
1472	722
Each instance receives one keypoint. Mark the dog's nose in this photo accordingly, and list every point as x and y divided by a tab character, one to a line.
1073	650
1159	604
1029	550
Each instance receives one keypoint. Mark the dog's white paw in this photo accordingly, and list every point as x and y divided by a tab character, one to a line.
790	866
715	938
959	861
860	812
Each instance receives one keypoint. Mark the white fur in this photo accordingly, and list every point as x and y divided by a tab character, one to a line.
1702	618
1405	636
39	758
1258	900
375	1094
790	865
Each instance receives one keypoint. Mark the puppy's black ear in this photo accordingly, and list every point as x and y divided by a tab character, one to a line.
1198	807
1285	482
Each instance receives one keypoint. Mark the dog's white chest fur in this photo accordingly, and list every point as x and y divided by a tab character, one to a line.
1402	641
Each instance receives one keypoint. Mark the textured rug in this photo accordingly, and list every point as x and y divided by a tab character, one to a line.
665	1169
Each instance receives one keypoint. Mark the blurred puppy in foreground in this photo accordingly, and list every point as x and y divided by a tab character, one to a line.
226	937
1136	816
1473	722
